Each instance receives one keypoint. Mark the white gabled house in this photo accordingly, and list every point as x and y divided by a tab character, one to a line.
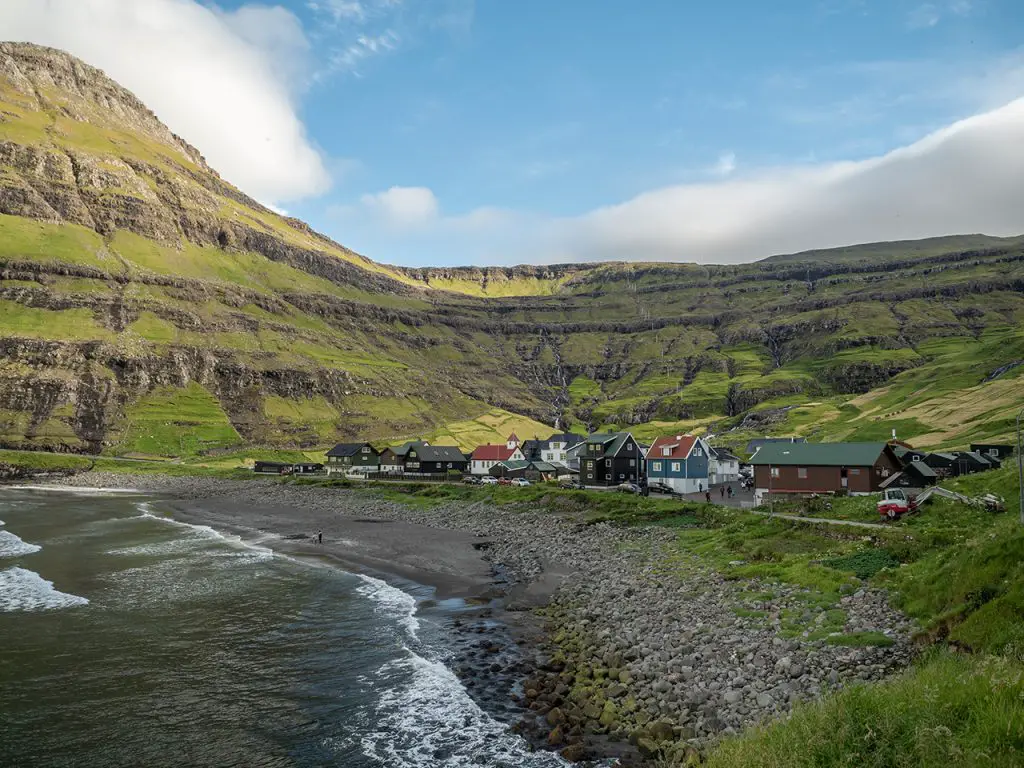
485	457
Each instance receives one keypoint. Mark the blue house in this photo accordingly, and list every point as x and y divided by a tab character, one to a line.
680	462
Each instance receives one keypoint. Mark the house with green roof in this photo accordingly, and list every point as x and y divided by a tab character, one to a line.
809	468
611	459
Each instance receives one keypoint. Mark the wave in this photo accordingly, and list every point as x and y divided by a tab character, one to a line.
24	590
251	552
391	601
432	721
75	490
13	546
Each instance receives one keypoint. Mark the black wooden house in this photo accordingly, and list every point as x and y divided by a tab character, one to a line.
611	459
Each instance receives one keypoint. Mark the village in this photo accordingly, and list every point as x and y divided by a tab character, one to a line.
685	466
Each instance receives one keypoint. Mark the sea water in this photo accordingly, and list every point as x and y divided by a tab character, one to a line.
129	639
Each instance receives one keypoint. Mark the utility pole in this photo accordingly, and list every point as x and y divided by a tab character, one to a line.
1020	468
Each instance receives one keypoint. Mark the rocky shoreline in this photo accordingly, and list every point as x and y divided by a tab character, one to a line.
634	661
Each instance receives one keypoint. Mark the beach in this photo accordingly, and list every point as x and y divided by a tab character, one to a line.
602	653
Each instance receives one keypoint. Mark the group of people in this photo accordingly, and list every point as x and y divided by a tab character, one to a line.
724	490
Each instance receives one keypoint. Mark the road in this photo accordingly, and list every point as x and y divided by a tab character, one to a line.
826	520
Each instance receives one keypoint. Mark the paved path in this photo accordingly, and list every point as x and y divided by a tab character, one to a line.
827	520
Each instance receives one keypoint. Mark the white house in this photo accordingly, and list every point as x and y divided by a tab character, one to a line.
555	449
723	467
486	456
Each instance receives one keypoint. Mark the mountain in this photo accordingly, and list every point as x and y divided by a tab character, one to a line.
148	306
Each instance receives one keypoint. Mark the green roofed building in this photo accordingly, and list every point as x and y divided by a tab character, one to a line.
809	468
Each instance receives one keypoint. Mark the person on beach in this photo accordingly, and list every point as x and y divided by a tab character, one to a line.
319	537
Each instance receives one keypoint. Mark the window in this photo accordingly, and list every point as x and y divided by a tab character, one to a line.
632	462
854	471
412	464
629	446
365	449
675	466
666	451
993	451
775	471
698	452
590	476
885	472
656	466
449	465
801	472
621	476
608	462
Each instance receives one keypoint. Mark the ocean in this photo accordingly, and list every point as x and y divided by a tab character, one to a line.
129	639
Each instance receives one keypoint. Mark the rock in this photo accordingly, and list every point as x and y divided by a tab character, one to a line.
573	753
733	697
555	716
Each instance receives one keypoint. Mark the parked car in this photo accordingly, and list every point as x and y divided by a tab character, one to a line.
520	481
661	488
572	485
504	481
629	488
471	480
488	480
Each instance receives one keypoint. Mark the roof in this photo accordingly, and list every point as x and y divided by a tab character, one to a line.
543	466
514	466
723	455
612	441
347	449
440	453
492	452
900	451
819	454
569	438
977	457
531	448
679	447
979	446
404	448
512	437
757	442
922	469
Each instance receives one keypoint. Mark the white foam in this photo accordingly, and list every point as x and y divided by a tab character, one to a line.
245	551
24	590
391	602
74	489
433	722
13	546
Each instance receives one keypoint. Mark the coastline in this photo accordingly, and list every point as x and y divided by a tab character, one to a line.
571	634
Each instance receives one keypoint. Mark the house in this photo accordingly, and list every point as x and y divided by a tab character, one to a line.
345	457
392	460
944	464
906	454
969	462
573	454
272	468
610	459
680	462
724	467
534	471
555	449
486	456
916	474
758	442
424	459
307	468
998	451
798	468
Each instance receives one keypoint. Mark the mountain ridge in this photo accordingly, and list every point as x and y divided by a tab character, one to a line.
136	283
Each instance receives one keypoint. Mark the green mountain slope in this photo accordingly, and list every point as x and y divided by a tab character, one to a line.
148	306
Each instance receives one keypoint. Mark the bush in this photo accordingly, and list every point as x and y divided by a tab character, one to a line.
864	563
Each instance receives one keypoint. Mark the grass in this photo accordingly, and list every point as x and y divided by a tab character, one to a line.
951	710
173	421
44	461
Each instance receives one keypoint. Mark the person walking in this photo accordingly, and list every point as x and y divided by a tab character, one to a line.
729	492
707	495
319	537
721	490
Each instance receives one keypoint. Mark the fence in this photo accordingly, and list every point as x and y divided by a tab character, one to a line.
411	478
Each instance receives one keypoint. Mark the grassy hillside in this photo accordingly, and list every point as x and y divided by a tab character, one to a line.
131	274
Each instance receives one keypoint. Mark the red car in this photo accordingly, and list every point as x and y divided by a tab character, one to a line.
504	481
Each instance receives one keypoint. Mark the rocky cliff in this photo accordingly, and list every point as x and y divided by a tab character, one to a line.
148	305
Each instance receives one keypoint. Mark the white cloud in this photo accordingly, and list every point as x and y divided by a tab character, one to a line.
964	178
404	207
930	14
349	58
340	9
225	81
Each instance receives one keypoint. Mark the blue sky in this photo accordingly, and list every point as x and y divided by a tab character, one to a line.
454	131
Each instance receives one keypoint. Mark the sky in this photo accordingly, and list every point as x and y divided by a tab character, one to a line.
452	132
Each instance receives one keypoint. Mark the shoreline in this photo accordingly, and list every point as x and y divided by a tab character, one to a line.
615	656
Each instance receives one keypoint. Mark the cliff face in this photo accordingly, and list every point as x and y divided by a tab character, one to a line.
143	298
